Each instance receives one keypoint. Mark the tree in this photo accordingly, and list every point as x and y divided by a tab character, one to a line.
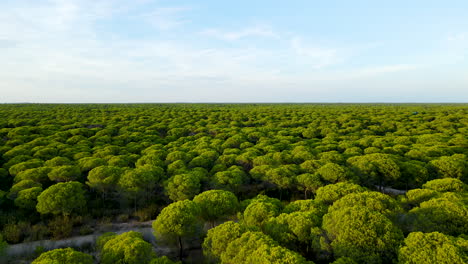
61	198
293	230
219	237
362	234
39	175
316	207
230	180
283	176
332	192
417	196
63	255
57	161
128	248
163	260
88	163
183	186
377	167
332	172
22	185
64	173
241	248
216	204
455	166
309	182
375	201
27	199
104	179
140	182
266	254
260	210
447	214
433	248
176	221
446	185
3	246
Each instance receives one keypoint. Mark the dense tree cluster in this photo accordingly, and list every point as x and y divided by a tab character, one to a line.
253	183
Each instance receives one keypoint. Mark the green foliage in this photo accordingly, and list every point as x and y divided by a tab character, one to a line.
293	230
61	227
333	192
183	186
219	237
260	210
3	246
313	206
230	179
102	240
266	254
332	172
104	178
455	166
27	199
362	234
446	185
241	248
433	248
377	168
375	201
447	214
126	248
417	196
132	155
64	173
63	255
163	260
309	182
61	198
216	204
178	219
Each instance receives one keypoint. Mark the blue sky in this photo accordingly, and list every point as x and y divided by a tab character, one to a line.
238	51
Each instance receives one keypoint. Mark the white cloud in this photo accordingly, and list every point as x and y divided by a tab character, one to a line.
463	36
318	57
166	18
53	52
254	31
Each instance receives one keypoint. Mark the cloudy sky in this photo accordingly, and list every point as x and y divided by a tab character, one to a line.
233	51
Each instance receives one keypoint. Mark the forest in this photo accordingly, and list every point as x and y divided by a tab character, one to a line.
235	183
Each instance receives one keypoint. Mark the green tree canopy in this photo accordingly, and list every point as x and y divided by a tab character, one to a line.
455	166
375	201
219	237
183	186
446	185
27	199
64	173
61	198
63	255
178	220
260	210
433	248
126	248
447	214
362	234
309	182
332	172
216	204
333	192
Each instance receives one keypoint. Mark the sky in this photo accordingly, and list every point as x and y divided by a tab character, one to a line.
111	51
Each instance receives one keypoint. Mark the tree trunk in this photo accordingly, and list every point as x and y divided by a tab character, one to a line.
305	194
181	248
134	204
